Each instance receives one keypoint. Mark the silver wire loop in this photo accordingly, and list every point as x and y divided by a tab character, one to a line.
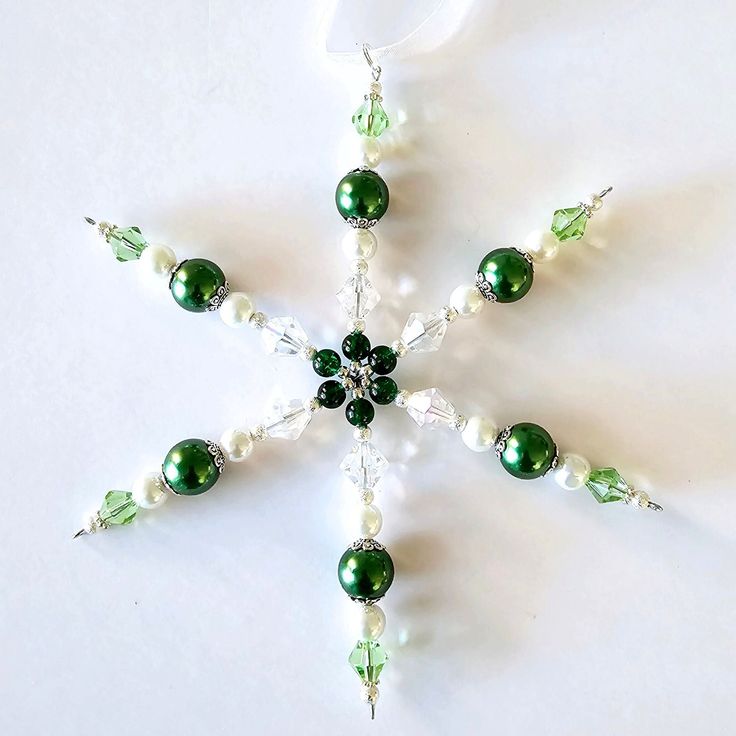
375	68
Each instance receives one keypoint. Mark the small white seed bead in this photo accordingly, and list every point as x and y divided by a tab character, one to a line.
467	301
159	260
149	492
237	444
479	434
541	245
371	622
572	471
371	521
236	309
359	243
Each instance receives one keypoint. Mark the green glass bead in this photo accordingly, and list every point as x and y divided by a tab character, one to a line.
529	451
607	485
383	390
382	360
362	195
326	363
569	224
190	468
127	243
331	394
370	118
118	507
507	273
197	285
360	412
356	346
365	574
368	659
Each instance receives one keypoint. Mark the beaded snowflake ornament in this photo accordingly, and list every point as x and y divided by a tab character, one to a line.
360	380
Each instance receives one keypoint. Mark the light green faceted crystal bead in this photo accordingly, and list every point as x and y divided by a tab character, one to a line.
368	659
127	243
118	508
569	224
370	118
607	485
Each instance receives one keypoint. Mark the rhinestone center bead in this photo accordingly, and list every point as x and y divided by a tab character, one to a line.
364	376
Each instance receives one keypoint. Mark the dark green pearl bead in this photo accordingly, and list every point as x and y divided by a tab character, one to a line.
362	194
529	451
360	412
382	360
195	282
189	468
365	574
331	394
383	390
508	274
356	346
326	363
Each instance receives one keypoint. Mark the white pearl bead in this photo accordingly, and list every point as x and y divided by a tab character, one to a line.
572	471
149	492
158	259
479	434
371	521
236	309
237	444
371	152
371	622
541	245
359	243
467	301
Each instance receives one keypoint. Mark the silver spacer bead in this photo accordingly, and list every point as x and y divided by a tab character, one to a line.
449	314
308	353
259	433
399	347
459	423
105	229
258	320
367	496
356	325
359	266
312	405
402	398
363	434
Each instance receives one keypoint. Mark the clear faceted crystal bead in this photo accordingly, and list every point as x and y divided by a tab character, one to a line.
431	408
358	296
424	332
364	465
284	336
287	420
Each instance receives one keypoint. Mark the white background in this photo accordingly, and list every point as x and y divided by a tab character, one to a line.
517	608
